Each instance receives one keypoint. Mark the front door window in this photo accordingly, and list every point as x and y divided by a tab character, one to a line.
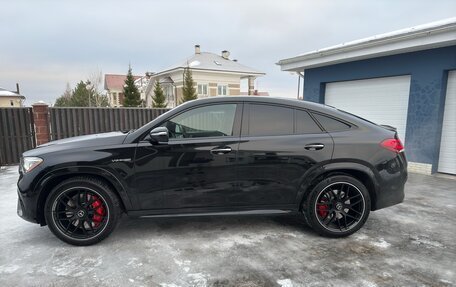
207	121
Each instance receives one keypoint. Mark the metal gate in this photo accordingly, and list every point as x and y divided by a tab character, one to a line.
16	134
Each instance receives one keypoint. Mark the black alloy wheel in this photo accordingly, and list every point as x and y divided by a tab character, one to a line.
82	211
338	206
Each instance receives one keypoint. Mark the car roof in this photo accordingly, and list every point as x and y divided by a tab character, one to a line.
315	107
268	100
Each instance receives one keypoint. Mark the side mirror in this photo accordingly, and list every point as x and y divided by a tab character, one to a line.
159	135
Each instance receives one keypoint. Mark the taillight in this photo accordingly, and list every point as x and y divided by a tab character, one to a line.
394	145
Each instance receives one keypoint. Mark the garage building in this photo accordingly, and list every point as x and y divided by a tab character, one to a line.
405	79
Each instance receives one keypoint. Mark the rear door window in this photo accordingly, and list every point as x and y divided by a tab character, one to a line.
269	120
305	124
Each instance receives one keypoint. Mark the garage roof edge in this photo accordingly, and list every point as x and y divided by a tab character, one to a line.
432	35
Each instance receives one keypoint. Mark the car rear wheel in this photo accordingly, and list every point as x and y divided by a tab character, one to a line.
82	211
337	206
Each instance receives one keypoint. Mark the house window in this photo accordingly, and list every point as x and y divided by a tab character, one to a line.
114	98
202	90
12	103
168	91
222	90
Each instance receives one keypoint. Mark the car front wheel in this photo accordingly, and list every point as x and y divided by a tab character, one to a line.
82	210
337	206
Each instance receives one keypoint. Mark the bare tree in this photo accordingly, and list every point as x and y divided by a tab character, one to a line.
97	97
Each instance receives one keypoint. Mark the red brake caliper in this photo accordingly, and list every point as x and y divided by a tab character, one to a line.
99	211
322	208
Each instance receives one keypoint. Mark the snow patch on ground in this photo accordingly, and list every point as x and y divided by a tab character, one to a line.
361	237
185	264
381	243
239	239
169	285
198	279
75	267
182	262
421	240
368	283
446	282
285	283
8	268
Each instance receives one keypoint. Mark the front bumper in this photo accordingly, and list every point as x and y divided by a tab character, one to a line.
26	207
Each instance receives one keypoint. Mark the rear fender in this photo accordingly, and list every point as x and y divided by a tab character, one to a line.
313	176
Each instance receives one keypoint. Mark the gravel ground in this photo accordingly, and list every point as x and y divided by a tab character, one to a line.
411	244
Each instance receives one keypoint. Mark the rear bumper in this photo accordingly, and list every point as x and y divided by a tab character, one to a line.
393	176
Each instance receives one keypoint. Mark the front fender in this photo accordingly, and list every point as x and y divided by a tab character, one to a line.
83	170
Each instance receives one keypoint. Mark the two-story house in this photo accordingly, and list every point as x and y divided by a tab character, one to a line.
114	84
11	99
214	75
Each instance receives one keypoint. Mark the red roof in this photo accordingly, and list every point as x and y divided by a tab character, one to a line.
116	82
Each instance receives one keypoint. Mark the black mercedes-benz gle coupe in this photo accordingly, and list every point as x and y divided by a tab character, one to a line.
220	155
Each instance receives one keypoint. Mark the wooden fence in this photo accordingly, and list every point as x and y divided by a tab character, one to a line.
17	127
70	122
16	133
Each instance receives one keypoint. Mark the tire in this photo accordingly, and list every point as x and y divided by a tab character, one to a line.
337	206
82	211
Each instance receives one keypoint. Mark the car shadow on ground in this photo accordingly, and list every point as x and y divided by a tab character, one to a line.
180	226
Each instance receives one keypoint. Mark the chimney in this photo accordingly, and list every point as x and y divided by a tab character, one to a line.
17	88
225	54
197	49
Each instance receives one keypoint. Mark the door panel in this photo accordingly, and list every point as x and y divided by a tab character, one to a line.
197	166
278	145
186	173
271	168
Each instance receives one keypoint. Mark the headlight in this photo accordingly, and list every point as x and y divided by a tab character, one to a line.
30	162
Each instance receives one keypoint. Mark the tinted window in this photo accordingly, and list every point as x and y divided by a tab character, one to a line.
267	120
305	124
330	124
209	121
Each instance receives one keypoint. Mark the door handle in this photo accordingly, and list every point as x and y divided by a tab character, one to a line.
220	151
314	146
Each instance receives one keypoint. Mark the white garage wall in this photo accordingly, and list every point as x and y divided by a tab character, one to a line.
447	157
380	100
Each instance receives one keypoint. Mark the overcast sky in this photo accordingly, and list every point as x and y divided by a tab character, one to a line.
45	44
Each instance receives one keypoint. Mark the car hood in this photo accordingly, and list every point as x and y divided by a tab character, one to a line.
103	139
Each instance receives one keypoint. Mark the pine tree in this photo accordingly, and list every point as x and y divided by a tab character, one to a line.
81	95
132	95
85	94
188	90
159	97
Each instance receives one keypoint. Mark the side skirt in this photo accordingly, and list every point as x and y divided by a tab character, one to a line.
211	212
